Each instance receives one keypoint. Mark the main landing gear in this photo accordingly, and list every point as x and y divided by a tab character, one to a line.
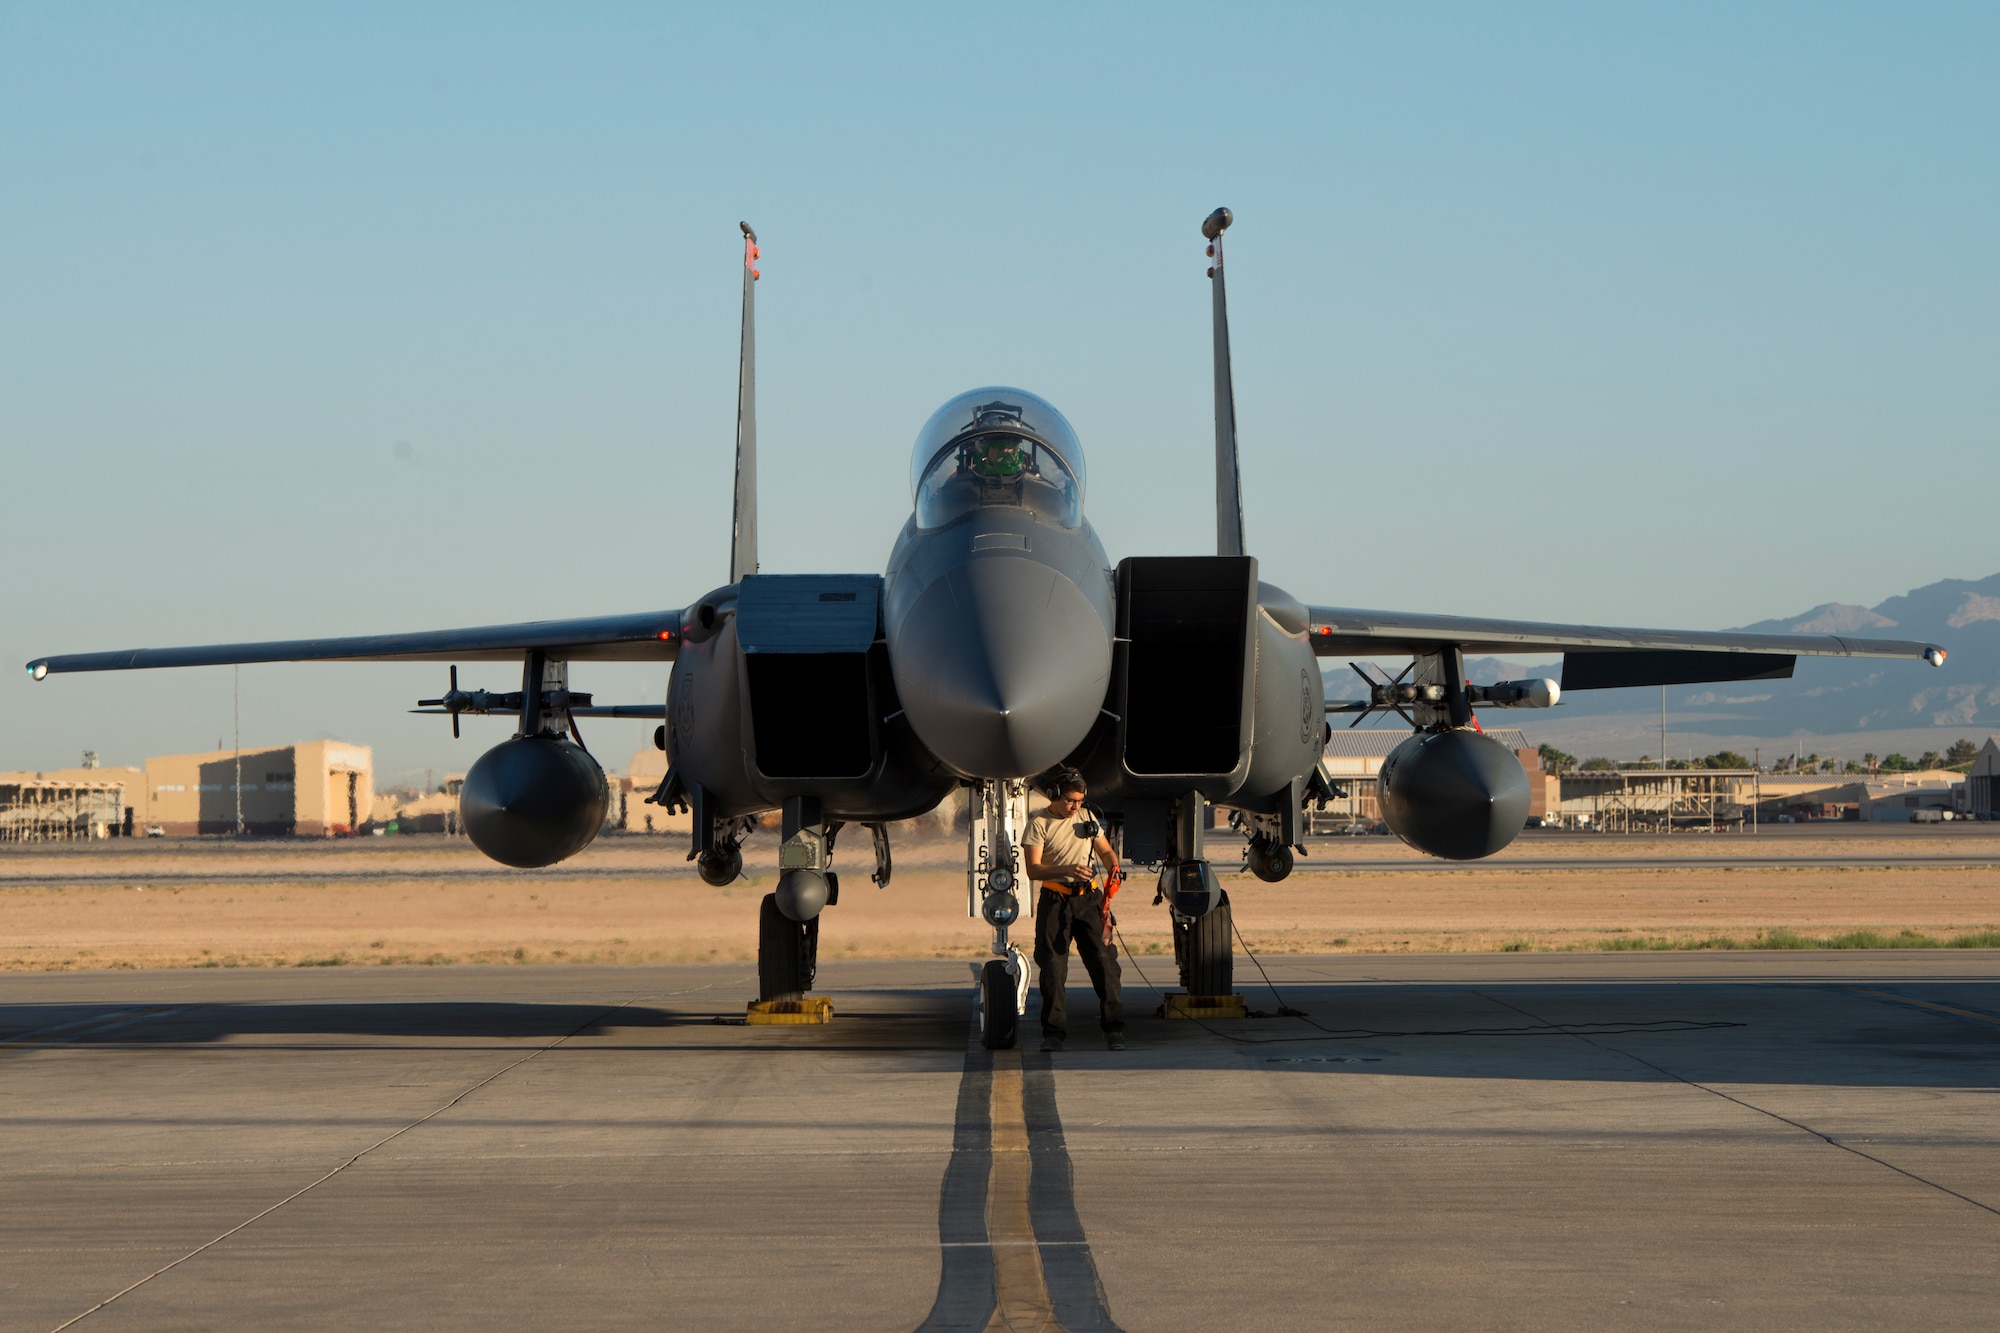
787	953
788	918
995	813
1204	934
1204	947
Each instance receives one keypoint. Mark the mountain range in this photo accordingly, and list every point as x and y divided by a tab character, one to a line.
1825	695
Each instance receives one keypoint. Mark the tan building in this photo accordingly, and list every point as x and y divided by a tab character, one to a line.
67	804
395	811
1896	798
1653	800
1892	798
312	789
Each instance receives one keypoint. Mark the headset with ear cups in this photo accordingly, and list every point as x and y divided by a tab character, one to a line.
1068	780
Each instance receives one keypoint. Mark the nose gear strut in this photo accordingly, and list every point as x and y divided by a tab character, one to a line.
995	812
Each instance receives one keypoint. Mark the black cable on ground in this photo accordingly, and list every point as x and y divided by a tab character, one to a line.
1284	1010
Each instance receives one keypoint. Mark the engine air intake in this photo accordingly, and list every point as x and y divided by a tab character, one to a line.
1185	628
807	644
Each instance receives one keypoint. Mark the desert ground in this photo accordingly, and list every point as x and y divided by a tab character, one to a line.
634	899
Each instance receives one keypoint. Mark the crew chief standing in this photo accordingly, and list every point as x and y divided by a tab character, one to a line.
1057	847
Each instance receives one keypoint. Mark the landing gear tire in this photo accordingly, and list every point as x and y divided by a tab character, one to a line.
999	1006
787	953
1204	948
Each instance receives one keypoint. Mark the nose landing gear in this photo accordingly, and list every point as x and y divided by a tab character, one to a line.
999	1004
993	889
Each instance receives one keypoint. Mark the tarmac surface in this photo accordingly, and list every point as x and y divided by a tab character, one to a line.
1547	1140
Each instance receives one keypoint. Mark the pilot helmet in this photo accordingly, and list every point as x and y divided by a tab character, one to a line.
997	455
998	423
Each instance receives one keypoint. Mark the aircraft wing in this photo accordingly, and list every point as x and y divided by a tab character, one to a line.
1595	656
649	636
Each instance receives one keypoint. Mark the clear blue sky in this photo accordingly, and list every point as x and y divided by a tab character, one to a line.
1676	315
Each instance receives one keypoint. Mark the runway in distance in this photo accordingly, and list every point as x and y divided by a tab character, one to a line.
1000	645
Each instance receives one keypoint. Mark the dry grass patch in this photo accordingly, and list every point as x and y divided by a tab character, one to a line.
639	914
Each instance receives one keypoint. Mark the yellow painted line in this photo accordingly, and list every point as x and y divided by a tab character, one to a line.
1951	1009
1023	1296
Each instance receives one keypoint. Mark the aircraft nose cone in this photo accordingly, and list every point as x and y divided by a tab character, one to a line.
1002	666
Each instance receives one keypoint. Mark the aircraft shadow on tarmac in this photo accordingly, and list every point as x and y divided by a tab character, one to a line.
182	1023
1833	1034
1929	1034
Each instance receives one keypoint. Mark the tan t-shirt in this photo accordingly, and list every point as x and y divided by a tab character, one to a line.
1057	837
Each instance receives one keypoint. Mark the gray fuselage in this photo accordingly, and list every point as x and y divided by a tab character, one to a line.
995	646
999	629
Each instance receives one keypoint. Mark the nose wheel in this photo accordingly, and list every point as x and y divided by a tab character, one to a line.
993	885
1003	993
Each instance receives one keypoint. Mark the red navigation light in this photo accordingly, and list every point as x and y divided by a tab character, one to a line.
666	635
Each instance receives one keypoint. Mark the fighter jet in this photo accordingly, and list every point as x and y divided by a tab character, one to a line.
1002	645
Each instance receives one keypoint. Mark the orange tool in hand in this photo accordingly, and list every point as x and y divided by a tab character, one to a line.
1113	881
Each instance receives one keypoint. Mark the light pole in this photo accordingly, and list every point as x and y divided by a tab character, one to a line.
236	721
1668	822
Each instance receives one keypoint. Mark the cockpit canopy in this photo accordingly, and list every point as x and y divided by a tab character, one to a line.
997	446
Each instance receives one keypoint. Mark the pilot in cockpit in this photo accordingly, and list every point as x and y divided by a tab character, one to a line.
982	451
996	456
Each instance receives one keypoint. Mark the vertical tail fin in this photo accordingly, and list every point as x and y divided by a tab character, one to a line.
743	531
1228	484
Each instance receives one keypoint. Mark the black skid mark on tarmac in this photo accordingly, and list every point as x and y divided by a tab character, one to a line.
966	1295
1068	1269
968	1290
